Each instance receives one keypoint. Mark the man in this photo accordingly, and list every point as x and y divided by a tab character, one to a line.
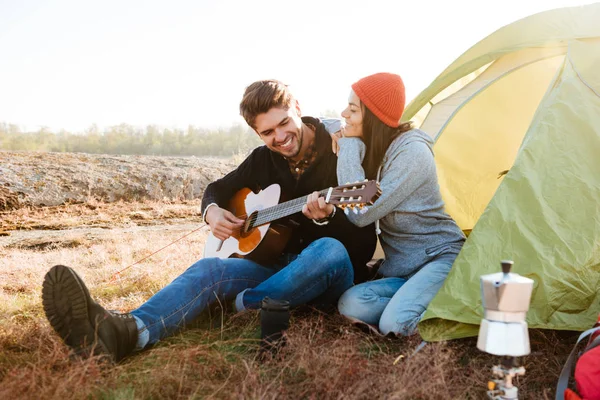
316	266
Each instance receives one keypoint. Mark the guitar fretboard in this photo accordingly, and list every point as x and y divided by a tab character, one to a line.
281	210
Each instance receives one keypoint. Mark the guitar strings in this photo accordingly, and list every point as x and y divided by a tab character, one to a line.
261	217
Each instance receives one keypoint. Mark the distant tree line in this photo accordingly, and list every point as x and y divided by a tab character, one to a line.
126	139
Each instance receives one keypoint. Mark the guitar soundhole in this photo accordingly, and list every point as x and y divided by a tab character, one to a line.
249	224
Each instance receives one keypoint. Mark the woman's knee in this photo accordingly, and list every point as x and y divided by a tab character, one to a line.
348	302
354	303
404	323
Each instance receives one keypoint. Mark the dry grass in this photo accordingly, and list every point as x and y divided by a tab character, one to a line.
98	214
325	357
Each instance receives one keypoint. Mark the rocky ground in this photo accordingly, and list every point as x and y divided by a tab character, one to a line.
52	179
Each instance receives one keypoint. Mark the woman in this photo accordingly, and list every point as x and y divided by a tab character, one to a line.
419	239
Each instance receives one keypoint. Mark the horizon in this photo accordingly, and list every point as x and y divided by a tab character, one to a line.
69	65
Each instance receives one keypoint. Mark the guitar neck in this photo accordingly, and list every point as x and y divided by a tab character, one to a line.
282	210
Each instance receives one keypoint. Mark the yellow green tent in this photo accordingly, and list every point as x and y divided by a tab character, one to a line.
516	121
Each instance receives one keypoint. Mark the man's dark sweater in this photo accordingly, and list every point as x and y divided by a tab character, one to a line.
264	167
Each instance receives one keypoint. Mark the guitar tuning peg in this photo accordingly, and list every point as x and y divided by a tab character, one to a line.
364	210
355	210
366	180
346	210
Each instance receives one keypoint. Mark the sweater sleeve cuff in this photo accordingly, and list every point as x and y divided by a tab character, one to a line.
206	209
332	125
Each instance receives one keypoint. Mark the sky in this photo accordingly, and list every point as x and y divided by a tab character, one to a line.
68	64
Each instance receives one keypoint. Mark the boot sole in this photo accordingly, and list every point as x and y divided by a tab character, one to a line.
65	302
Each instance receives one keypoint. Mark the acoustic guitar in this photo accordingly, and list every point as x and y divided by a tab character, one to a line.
262	238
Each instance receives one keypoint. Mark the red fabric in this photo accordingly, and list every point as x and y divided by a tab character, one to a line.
587	374
571	395
383	94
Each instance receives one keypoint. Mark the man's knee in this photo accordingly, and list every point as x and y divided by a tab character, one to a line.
203	263
211	269
330	251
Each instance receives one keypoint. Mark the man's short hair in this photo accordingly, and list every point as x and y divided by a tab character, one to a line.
261	96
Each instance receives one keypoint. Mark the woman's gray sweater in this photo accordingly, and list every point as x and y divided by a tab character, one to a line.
414	226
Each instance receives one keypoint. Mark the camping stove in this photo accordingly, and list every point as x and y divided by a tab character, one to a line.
503	330
503	388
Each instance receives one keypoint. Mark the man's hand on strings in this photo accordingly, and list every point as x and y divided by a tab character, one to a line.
222	223
316	208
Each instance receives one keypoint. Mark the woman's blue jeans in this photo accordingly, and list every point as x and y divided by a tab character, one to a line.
319	275
397	304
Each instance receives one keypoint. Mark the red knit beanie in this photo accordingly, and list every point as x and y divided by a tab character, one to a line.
383	95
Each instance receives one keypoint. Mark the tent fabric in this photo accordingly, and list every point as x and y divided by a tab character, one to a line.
517	126
548	29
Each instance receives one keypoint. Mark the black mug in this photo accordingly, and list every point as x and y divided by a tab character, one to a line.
274	320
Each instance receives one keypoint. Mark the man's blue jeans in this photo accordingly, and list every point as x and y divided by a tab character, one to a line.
397	304
319	274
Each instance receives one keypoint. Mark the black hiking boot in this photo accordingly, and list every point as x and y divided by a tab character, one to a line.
83	324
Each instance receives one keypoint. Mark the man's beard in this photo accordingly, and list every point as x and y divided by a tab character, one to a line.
300	137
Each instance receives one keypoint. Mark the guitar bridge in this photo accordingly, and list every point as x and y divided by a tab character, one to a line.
249	224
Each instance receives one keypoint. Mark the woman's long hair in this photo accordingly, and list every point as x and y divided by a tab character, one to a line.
377	136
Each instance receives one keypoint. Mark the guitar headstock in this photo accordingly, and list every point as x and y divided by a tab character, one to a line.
355	195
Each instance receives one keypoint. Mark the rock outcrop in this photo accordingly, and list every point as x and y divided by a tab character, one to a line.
50	179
